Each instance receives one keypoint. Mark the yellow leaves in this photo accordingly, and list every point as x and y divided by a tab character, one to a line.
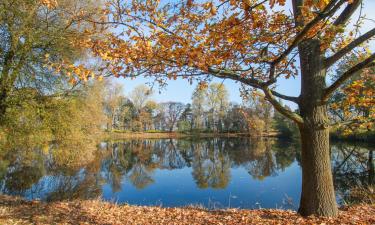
72	81
202	85
357	84
357	104
321	4
280	2
148	44
213	10
210	6
196	35
49	3
45	149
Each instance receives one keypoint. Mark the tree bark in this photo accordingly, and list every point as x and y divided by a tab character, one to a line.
5	90
3	104
318	195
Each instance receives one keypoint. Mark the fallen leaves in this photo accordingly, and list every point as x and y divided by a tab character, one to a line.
14	210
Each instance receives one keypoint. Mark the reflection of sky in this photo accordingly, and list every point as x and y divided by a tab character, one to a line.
181	91
178	188
174	183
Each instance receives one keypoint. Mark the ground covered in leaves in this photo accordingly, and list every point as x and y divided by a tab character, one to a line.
17	211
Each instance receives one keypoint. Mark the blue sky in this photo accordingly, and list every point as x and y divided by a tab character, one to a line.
181	91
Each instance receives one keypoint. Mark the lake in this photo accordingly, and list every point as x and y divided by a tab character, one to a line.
209	172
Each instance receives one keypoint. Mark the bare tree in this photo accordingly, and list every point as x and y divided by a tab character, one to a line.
172	112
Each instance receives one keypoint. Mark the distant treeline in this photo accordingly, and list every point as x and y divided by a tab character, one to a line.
209	111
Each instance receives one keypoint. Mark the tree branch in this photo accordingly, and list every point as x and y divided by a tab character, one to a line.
289	114
347	13
285	97
362	65
234	76
329	10
251	82
263	86
334	58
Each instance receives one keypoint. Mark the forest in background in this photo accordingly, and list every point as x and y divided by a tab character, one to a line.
85	111
41	98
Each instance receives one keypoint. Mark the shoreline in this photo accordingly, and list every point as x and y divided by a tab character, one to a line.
166	135
15	210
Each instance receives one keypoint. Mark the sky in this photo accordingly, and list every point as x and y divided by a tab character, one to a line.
181	91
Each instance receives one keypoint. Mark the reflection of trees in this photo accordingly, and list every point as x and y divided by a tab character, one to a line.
140	176
67	171
261	157
263	163
285	153
170	157
24	169
80	186
32	170
132	159
353	166
211	165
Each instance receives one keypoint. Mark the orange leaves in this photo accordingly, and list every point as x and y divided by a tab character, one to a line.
280	2
357	103
187	37
98	212
210	6
189	3
321	4
49	3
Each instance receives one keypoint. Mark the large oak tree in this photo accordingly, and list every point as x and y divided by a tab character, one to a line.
254	42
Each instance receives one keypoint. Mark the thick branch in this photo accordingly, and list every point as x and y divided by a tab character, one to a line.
334	58
289	114
231	75
345	76
347	13
251	82
329	10
285	97
261	85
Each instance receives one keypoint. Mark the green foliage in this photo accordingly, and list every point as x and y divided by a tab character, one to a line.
183	125
155	131
286	128
137	126
36	118
35	38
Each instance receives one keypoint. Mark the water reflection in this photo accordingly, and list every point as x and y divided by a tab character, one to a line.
175	172
353	166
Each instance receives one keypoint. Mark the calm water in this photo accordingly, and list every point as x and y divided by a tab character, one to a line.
215	173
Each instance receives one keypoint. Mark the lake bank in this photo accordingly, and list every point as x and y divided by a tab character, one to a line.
14	210
162	135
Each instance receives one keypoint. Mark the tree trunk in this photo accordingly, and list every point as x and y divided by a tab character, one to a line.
318	195
371	170
4	92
